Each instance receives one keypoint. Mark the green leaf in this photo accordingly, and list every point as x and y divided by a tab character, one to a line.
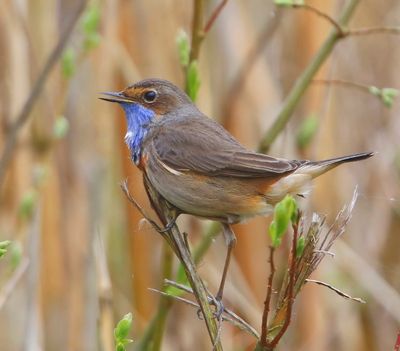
307	131
123	327
27	204
300	246
289	2
68	60
182	41
193	80
61	127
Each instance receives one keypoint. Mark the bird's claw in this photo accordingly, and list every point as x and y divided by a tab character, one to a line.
168	227
219	308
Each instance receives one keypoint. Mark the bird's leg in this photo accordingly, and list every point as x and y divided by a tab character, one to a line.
169	225
230	240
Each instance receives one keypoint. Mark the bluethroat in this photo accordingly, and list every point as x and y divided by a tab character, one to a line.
201	169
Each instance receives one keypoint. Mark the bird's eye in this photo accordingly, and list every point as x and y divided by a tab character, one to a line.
150	96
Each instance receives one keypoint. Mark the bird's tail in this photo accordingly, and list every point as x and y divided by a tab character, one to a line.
316	168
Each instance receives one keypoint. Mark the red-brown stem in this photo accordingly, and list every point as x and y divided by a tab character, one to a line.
292	277
267	303
214	16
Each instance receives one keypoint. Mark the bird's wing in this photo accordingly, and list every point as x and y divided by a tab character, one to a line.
203	146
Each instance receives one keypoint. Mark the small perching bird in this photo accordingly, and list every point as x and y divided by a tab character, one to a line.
201	169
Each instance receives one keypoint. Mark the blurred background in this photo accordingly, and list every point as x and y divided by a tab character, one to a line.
81	257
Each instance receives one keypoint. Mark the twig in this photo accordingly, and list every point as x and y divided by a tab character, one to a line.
124	187
239	322
214	16
197	29
373	30
177	242
336	290
292	278
10	285
323	15
346	83
304	80
267	303
23	116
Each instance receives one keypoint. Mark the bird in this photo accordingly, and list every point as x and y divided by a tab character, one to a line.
199	168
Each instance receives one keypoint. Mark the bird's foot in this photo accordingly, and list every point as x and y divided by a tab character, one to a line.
216	301
219	306
168	227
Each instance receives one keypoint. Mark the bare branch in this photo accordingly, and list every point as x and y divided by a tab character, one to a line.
267	303
336	290
214	16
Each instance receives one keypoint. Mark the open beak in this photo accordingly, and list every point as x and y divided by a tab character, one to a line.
115	97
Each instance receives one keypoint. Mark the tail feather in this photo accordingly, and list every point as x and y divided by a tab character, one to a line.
316	168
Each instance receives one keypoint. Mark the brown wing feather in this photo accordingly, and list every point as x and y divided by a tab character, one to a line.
201	145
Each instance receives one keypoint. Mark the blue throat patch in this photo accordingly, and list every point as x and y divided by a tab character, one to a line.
138	120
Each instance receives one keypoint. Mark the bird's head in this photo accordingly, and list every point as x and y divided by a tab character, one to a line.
150	96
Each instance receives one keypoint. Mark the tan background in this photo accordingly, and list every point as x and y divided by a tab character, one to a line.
67	288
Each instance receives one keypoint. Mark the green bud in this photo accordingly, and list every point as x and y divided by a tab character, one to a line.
15	254
307	131
4	244
193	80
182	41
122	329
61	127
91	20
388	96
27	204
284	212
68	60
2	252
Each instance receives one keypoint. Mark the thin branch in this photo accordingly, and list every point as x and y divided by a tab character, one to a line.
303	82
345	83
373	30
124	187
228	315
267	303
214	16
197	29
292	278
336	290
37	88
323	15
177	242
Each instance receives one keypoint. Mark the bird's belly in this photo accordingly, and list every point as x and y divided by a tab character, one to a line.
224	198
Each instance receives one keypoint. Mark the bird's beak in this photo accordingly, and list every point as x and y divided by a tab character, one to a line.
115	97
